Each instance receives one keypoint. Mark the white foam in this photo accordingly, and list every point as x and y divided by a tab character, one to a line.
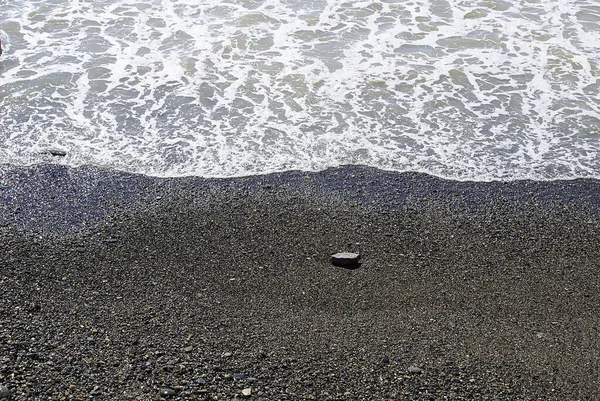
459	89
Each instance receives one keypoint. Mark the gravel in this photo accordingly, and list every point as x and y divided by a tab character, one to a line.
489	289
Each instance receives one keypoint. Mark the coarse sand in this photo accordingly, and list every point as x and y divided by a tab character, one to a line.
116	286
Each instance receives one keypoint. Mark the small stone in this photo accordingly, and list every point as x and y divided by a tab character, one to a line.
200	381
344	259
167	392
56	152
188	349
385	359
227	354
80	249
111	241
247	392
4	392
414	369
239	376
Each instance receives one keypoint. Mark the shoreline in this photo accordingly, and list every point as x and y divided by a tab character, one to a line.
118	285
74	197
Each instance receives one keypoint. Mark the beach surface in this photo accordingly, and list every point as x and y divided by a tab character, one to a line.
116	286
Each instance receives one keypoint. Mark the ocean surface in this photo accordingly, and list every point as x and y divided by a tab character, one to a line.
463	89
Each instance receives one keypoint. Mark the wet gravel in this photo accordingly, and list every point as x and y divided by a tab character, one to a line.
116	286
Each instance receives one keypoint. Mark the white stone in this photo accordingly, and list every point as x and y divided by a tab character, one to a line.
345	259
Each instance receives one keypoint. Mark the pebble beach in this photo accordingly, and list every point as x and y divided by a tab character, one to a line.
116	286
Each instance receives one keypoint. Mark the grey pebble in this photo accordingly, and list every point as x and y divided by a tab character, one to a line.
4	392
414	369
167	392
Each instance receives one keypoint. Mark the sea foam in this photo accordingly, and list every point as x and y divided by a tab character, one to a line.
469	90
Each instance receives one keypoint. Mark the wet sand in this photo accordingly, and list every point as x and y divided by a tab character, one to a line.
115	286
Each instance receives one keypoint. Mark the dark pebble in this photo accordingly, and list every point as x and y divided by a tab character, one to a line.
200	381
80	249
167	392
385	359
4	392
239	376
56	152
111	241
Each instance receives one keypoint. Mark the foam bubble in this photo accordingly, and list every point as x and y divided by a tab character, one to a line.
480	90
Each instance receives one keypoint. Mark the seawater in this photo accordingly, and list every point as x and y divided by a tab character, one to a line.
462	89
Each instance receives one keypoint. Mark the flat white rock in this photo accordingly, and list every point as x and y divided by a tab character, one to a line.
345	259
